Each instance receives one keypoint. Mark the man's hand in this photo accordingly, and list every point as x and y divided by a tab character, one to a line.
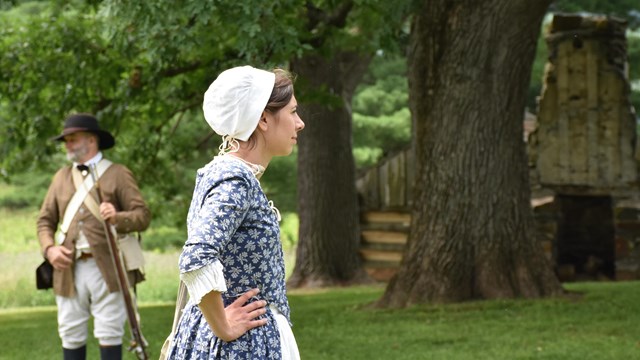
59	256
108	212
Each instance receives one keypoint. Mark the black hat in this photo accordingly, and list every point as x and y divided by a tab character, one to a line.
87	123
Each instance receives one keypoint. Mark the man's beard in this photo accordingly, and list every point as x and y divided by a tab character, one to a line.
77	153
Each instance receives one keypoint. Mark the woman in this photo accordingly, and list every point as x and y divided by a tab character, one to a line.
232	262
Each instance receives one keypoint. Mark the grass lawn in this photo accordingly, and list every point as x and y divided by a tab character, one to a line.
18	288
339	324
18	230
603	323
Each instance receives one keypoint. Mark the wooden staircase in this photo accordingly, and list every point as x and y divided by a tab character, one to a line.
383	238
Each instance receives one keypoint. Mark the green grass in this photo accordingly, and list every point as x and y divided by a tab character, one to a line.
601	325
31	333
340	324
18	289
18	230
333	323
18	224
18	284
20	255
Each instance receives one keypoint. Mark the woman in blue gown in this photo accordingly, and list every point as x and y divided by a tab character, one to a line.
232	262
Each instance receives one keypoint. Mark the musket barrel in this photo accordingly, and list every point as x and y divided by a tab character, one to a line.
140	344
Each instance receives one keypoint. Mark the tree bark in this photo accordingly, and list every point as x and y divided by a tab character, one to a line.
472	231
329	233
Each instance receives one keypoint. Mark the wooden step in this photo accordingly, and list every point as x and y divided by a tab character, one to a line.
381	275
384	237
380	255
398	227
632	225
387	217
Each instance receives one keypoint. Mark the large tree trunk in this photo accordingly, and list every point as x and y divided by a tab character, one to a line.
472	231
329	233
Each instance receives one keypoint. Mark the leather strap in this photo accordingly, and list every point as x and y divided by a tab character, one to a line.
80	196
181	302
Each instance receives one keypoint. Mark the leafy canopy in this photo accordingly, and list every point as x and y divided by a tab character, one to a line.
142	68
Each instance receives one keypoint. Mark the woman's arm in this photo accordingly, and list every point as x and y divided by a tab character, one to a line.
236	319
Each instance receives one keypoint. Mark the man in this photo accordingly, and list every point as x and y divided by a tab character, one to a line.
85	280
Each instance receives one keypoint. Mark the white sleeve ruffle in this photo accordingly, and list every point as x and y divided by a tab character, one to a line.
202	281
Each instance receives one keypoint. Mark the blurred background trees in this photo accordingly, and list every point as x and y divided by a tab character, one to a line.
142	68
61	56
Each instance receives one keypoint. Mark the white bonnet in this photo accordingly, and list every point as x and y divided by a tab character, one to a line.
235	100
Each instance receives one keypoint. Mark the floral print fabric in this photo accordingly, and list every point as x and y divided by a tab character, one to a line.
230	220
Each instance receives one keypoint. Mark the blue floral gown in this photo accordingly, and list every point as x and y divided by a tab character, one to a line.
231	221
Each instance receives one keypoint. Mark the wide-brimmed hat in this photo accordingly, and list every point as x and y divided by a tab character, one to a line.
86	123
235	100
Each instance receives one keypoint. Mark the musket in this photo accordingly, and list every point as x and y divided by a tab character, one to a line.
138	343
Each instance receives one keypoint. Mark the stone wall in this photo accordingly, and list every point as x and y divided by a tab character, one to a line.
586	133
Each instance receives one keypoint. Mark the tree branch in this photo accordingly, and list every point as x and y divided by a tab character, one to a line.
170	72
205	139
336	19
339	17
320	20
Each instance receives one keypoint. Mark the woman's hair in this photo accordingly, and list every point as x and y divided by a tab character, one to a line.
282	91
280	96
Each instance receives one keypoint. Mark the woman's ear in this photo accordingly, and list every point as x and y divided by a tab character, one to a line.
262	123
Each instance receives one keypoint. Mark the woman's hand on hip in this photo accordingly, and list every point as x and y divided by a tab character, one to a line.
242	317
236	319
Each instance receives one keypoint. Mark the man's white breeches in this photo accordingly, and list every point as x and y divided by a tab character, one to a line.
92	298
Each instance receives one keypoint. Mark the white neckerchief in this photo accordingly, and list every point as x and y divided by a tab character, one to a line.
94	160
256	169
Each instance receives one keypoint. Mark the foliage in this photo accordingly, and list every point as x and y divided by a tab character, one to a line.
142	67
633	59
163	238
338	324
56	61
289	231
628	9
633	55
381	117
537	72
50	65
211	35
27	191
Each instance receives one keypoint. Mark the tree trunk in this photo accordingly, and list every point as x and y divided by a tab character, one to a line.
329	234
472	231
